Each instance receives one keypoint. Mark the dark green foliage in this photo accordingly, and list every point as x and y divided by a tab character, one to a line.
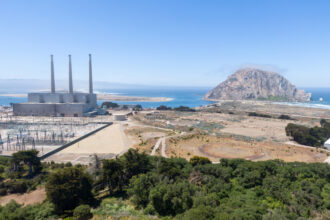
112	175
196	160
255	114
200	212
137	108
233	189
82	212
69	187
109	105
163	107
172	199
140	187
285	117
29	158
16	186
173	168
116	173
315	136
14	211
184	109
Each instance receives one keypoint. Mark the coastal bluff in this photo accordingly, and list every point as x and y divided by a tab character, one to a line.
256	84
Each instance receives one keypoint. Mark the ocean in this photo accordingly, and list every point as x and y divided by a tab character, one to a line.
191	97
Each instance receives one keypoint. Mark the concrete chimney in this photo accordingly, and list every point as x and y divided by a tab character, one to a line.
90	75
70	76
52	79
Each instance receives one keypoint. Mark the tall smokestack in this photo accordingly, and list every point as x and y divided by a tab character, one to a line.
52	79
90	75
70	76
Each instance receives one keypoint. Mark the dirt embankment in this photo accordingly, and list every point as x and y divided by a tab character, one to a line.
33	197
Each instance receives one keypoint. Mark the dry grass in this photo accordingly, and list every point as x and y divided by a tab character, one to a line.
226	147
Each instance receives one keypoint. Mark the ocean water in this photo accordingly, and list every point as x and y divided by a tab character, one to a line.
317	93
191	97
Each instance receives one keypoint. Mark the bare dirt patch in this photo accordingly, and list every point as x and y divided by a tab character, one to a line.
33	197
145	138
270	129
227	147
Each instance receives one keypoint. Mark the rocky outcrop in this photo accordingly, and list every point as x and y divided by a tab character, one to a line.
256	84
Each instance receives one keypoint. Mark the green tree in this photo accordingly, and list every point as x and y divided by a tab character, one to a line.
29	158
82	212
134	163
326	195
112	174
140	187
200	212
196	160
69	187
172	199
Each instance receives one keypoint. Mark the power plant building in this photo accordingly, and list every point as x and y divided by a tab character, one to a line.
74	104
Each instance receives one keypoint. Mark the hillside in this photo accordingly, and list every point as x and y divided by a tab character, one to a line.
252	83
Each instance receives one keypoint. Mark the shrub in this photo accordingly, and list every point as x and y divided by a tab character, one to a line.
3	192
285	117
196	160
255	114
82	212
315	136
17	186
184	109
69	187
109	105
163	107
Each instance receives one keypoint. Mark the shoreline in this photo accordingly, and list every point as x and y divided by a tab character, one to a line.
311	104
110	97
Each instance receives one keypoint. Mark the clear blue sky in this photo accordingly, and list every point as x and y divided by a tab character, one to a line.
166	42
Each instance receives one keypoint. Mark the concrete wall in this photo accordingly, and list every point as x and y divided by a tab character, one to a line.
56	104
48	109
55	98
35	109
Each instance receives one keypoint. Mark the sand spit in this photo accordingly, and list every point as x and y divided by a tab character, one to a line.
132	98
111	97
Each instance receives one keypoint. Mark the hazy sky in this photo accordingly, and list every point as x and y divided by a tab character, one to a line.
166	42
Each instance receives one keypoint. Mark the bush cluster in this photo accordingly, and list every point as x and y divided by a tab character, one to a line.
255	114
315	136
173	188
232	189
180	108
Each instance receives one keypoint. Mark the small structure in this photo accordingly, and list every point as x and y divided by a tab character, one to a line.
62	104
327	144
119	117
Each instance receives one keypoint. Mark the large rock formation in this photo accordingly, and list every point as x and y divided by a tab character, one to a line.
254	84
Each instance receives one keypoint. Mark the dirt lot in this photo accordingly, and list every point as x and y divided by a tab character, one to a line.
228	147
227	131
145	138
106	143
36	196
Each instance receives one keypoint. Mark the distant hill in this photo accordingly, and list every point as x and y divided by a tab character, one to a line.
256	84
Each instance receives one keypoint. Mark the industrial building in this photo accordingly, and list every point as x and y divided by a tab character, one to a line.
74	104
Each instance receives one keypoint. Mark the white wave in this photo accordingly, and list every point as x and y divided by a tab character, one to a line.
304	104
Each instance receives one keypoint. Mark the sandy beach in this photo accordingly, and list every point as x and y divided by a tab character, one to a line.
132	98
